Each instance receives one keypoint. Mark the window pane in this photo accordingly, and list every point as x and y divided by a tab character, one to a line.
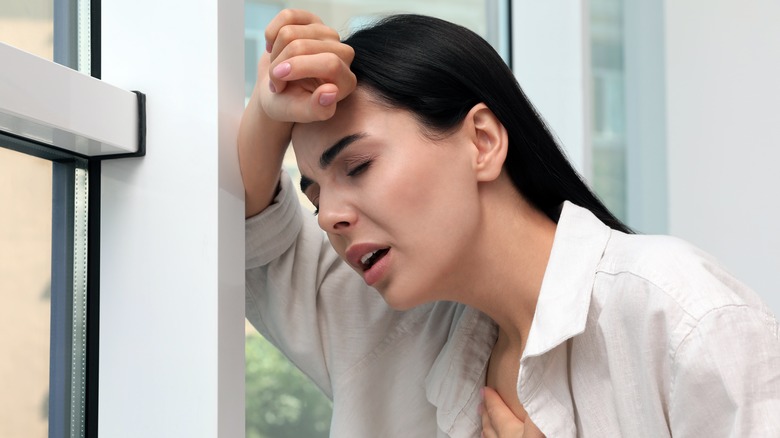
43	284
57	30
281	401
609	134
25	291
28	25
43	246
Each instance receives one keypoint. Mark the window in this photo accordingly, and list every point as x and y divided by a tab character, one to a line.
53	134
628	121
25	290
280	400
43	251
45	264
608	121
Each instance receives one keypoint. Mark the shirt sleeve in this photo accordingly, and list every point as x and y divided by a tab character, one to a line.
726	376
303	298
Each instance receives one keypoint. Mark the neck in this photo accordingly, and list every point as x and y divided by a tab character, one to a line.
508	263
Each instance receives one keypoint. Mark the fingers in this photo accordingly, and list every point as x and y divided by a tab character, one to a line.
306	69
487	427
299	105
300	41
291	33
306	47
315	84
285	18
297	41
294	33
323	68
531	431
498	421
497	410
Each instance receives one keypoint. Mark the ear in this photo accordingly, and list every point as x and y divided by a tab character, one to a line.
490	139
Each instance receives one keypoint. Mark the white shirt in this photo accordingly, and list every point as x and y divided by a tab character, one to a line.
633	336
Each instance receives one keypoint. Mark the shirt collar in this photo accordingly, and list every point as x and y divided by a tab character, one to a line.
561	312
562	308
453	383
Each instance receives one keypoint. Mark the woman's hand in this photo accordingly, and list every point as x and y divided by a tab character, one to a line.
498	421
307	67
305	70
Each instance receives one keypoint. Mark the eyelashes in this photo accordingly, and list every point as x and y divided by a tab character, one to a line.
355	171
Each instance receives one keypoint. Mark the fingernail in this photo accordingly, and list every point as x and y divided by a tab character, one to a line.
268	46
282	70
327	99
480	408
272	87
482	392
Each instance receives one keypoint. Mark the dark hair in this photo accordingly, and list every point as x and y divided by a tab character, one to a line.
439	71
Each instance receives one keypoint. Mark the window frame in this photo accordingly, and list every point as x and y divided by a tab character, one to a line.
39	118
66	168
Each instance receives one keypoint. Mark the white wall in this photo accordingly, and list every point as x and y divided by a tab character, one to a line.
723	138
172	262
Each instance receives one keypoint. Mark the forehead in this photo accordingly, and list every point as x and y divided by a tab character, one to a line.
350	116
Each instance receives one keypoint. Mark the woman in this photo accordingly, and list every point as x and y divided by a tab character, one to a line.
440	186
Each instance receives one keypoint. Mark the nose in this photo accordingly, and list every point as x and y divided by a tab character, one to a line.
336	215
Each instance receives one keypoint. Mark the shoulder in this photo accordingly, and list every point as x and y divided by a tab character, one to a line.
677	295
690	279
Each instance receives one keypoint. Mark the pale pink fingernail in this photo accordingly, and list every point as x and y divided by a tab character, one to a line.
327	99
271	87
482	392
282	70
268	46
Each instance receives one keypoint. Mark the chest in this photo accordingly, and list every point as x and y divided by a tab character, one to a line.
593	386
502	373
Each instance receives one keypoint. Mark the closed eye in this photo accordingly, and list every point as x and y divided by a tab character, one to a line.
357	170
315	202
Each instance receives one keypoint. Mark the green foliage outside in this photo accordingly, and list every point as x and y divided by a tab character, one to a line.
281	402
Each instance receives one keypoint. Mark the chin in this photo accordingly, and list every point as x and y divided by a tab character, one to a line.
401	301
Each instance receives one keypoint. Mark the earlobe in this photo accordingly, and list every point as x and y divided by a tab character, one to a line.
491	141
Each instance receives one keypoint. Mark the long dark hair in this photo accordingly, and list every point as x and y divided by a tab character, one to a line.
439	71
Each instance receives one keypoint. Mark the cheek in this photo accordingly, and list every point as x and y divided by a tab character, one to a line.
432	198
338	243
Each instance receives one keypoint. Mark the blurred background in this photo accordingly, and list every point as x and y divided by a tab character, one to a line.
669	110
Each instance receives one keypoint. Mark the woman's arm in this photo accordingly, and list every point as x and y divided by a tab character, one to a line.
301	78
262	142
297	288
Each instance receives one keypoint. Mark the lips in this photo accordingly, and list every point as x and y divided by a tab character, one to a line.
364	255
368	259
372	257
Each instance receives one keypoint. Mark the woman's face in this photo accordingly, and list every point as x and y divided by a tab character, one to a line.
400	208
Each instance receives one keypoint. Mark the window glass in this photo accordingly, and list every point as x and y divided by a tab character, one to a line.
25	291
609	133
43	246
28	25
280	401
25	250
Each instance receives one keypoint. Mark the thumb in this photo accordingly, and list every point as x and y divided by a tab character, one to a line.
495	407
502	420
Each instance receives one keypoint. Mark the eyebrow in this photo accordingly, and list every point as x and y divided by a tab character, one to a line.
330	154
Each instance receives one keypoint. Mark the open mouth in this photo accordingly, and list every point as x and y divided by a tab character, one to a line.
369	259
